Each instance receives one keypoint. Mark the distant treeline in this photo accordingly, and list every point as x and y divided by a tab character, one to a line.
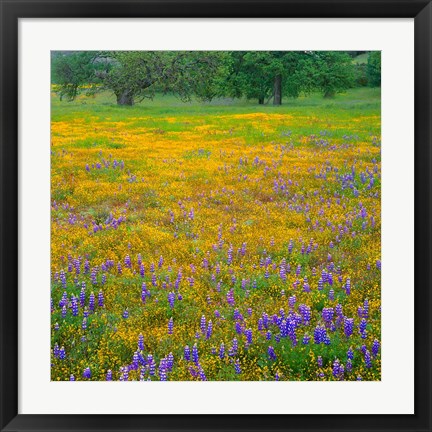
262	75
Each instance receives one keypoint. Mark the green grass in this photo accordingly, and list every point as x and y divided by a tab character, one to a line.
104	107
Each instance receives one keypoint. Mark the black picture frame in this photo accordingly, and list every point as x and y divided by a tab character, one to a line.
12	10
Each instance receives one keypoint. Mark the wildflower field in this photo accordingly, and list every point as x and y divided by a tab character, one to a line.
219	241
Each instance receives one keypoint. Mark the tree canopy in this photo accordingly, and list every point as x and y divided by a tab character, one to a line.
262	75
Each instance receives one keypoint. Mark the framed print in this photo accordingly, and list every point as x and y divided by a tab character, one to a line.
226	206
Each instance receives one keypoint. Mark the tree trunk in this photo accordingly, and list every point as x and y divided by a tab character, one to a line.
277	98
261	100
125	98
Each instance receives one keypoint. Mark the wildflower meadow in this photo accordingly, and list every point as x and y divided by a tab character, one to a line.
221	240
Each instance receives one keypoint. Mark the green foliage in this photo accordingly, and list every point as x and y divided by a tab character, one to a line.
72	70
374	69
252	74
136	75
329	72
360	74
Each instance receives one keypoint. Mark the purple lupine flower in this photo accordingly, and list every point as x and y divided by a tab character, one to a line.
209	330
320	334
362	326
378	264
101	301
320	284
331	295
92	302
186	353
306	339
230	255
234	345
319	361
350	354
152	365
375	347
82	295
163	370
142	270
124	373
292	301
62	353
367	359
305	312
201	373
87	373
195	355
237	367
348	286
248	334
222	351
230	297
170	361
161	261
171	299
271	353
238	328
128	262
336	368
74	304
108	376
56	350
348	326
260	324
64	311
203	324
141	342
84	323
63	279
64	300
135	361
268	335
366	309
237	315
170	326
327	315
103	279
125	313
93	276
290	246
72	377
